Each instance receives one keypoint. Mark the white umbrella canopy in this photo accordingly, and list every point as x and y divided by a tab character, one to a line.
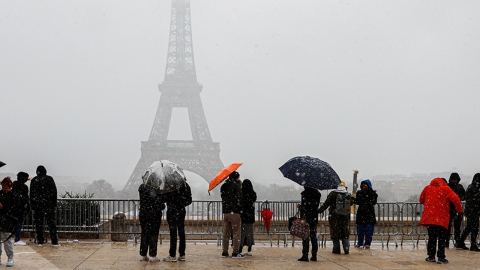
164	176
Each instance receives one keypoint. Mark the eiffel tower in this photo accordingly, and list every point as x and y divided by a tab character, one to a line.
179	89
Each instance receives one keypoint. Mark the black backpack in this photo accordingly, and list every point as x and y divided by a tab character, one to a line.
184	196
342	205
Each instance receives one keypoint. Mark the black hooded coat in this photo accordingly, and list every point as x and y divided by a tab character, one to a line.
366	199
458	189
43	191
472	197
249	199
21	189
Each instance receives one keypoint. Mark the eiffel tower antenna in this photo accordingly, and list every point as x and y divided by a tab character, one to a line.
179	89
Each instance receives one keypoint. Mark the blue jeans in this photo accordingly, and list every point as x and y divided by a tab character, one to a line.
365	232
18	229
313	239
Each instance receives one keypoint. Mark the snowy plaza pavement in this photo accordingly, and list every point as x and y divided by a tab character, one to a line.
92	254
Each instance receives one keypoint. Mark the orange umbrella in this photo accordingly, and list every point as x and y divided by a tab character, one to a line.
222	175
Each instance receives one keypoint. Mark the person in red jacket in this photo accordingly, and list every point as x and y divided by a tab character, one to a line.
436	199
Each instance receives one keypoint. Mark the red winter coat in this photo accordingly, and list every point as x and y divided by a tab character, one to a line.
436	199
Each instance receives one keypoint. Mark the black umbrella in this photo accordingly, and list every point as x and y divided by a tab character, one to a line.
310	172
2	164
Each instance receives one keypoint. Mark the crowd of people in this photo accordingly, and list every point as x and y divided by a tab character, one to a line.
15	203
442	214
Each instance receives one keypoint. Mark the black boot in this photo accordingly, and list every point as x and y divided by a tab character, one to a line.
461	245
313	258
304	258
474	247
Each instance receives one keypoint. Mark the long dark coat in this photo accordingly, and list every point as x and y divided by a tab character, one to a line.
366	201
232	197
309	204
43	191
21	189
472	197
339	225
249	199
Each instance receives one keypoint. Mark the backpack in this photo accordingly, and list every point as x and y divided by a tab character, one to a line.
342	205
184	195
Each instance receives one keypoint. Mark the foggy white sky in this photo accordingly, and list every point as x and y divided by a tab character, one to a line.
379	86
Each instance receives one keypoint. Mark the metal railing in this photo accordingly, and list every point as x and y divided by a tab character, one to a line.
119	219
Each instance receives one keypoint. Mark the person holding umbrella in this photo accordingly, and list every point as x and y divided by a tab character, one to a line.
232	202
151	206
176	203
310	200
338	217
248	216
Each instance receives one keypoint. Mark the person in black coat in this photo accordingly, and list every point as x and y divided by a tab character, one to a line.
366	199
151	206
455	218
472	212
248	216
176	203
43	200
21	188
309	204
232	203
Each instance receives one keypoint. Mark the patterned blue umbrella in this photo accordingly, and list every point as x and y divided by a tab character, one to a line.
311	172
2	164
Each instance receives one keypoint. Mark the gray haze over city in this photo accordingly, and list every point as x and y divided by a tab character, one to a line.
384	87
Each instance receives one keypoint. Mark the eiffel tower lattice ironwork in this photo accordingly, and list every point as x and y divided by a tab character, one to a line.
180	89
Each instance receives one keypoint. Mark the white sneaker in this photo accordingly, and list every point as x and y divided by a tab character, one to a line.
181	258
143	258
19	243
9	263
248	253
170	259
154	259
57	245
40	245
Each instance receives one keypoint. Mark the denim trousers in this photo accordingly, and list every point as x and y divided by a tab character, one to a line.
312	238
365	234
